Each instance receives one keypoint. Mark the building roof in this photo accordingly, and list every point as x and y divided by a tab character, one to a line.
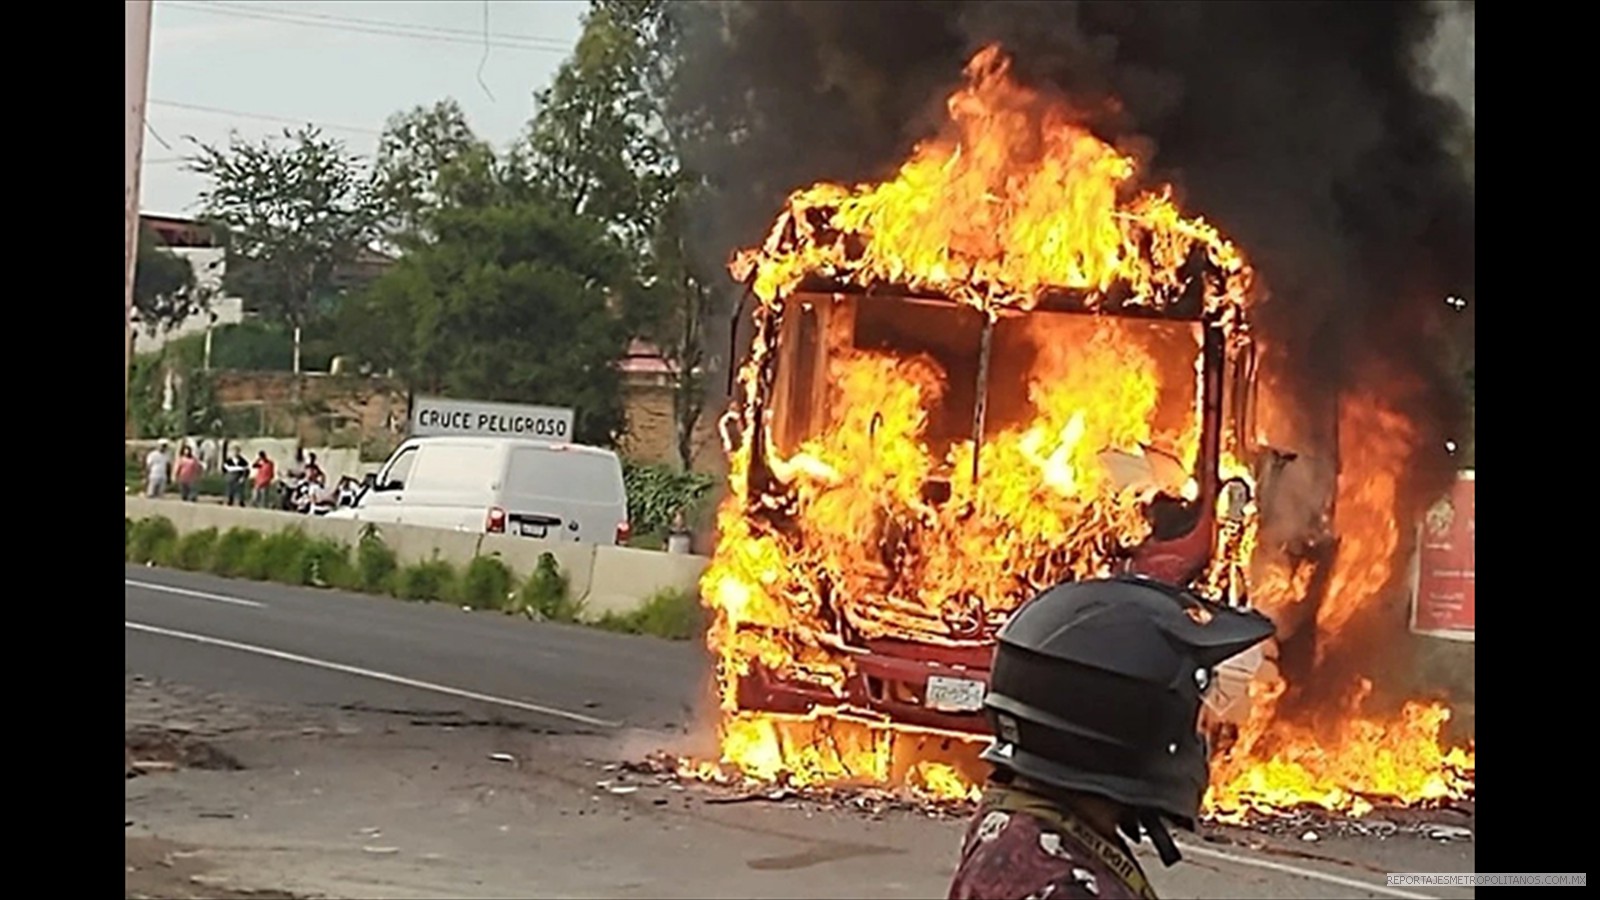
178	231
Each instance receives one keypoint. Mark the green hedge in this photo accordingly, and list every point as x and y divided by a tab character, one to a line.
657	493
295	558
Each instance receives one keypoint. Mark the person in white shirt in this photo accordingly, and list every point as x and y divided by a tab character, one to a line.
157	467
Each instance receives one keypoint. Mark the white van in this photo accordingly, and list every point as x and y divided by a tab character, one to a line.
536	489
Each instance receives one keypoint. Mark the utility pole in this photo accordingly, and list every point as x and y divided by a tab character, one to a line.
136	20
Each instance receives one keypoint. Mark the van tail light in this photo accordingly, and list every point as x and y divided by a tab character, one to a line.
624	531
496	523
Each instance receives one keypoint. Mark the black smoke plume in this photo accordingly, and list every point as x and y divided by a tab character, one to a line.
1330	140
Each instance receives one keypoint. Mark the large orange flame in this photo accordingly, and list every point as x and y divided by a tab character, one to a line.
1014	202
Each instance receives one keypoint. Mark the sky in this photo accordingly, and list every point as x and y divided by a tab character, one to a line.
259	67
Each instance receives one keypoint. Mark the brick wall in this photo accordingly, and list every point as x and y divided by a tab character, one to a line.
651	430
319	409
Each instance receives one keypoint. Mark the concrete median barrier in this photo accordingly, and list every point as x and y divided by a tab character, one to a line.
625	577
604	579
521	555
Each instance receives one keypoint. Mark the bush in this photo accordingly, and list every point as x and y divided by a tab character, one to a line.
431	580
669	613
375	564
212	485
657	493
278	557
233	550
545	595
326	563
195	550
486	584
153	540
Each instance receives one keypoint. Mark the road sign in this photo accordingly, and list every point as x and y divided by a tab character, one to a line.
437	416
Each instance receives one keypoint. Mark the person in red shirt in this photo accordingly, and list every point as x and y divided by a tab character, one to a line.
187	474
263	472
1095	697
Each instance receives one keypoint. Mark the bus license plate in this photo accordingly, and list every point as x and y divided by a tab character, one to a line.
954	694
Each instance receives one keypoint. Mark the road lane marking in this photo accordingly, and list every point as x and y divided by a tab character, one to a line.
185	592
1313	874
374	675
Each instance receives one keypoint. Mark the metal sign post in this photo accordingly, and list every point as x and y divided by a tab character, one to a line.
136	23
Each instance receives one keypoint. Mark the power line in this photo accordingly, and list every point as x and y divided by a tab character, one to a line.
554	43
384	29
240	114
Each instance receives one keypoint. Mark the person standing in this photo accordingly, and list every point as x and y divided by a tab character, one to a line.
235	471
207	452
312	472
187	474
157	465
264	471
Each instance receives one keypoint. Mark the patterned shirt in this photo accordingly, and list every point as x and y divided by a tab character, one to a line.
1022	847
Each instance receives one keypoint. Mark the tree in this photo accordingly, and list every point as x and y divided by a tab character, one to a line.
428	159
599	145
596	143
164	289
293	213
675	321
508	302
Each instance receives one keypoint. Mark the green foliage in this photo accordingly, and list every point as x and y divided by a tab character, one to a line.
195	550
431	580
603	143
657	493
152	540
326	563
212	485
132	473
258	345
234	551
194	407
486	583
429	159
509	303
546	594
673	614
595	143
279	557
376	564
164	288
293	213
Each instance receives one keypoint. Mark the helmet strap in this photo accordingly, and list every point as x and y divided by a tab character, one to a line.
1160	837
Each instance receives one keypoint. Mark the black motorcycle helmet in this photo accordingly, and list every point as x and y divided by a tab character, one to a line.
1096	687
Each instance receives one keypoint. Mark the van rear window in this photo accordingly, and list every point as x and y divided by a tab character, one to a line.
455	468
579	477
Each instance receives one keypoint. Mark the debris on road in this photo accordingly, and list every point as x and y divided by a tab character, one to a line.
503	757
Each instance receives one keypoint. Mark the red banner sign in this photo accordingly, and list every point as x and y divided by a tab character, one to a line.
1443	600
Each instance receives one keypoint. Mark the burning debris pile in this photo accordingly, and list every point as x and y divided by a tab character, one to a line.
974	380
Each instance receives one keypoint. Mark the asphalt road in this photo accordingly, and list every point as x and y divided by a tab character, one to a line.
322	650
588	680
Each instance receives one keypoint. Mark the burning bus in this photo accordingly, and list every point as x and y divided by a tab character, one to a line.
1002	368
952	399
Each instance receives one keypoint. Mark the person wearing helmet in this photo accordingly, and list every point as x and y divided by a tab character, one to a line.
1095	696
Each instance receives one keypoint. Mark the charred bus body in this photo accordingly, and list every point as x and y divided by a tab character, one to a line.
927	667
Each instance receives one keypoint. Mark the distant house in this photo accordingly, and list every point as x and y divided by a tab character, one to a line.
191	241
644	364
